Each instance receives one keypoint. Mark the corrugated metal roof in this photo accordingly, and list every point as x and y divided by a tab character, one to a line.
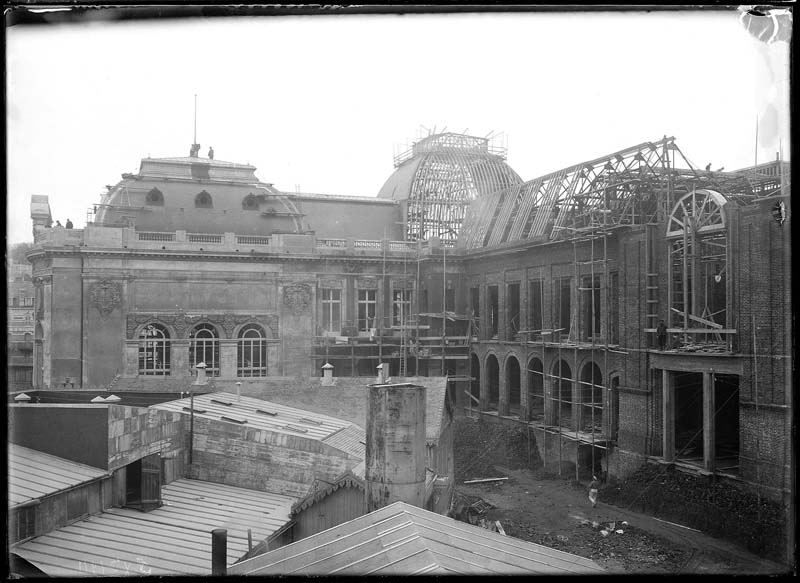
174	539
258	414
404	539
33	474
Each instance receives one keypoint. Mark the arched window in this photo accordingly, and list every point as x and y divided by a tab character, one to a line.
154	350
252	352
203	201
698	245
250	203
204	347
155	198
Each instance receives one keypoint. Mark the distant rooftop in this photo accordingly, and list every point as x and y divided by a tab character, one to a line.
192	168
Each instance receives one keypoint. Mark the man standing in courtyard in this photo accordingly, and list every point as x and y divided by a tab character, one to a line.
594	486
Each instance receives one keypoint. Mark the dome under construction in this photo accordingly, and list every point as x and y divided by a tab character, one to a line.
437	178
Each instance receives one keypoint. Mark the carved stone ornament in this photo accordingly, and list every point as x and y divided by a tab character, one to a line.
328	282
403	283
367	282
105	296
297	297
351	268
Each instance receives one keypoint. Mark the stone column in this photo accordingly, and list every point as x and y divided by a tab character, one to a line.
179	359
549	406
484	385
227	359
524	407
709	407
668	388
502	401
131	359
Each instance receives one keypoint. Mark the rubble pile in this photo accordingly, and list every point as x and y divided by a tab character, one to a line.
622	544
716	508
479	445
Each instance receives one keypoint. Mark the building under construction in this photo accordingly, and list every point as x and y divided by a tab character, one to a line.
626	309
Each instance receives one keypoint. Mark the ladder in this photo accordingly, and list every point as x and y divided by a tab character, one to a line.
651	281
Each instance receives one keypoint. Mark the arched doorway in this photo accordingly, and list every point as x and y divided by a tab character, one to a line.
475	383
513	385
535	390
493	382
562	394
591	399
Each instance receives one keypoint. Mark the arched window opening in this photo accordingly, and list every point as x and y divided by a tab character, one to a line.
203	201
252	352
155	198
535	390
698	245
493	380
591	399
154	350
250	203
204	347
513	385
475	383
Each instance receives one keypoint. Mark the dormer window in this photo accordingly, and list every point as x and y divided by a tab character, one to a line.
203	201
155	198
250	203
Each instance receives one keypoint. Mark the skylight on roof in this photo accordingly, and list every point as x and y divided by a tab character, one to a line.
222	402
295	428
310	421
265	412
233	419
196	410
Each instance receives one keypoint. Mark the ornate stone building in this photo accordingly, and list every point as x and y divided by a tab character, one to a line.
626	308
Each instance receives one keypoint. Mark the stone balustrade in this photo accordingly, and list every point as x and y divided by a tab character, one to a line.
94	236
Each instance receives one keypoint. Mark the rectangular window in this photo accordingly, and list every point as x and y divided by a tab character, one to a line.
512	310
450	300
494	311
401	306
332	310
562	308
475	301
367	302
591	307
535	307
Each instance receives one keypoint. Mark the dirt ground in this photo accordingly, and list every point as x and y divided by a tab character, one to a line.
542	507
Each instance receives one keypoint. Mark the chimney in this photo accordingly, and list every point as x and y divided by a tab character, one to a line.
219	552
201	374
327	375
383	373
395	457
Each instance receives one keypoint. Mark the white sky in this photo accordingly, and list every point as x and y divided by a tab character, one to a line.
323	101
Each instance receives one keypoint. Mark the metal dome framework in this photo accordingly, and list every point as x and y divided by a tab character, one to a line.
630	187
454	169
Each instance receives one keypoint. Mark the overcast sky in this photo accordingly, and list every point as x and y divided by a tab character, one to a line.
320	103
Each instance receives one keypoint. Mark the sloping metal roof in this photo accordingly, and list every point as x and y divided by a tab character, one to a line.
350	439
404	539
174	539
33	474
262	415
